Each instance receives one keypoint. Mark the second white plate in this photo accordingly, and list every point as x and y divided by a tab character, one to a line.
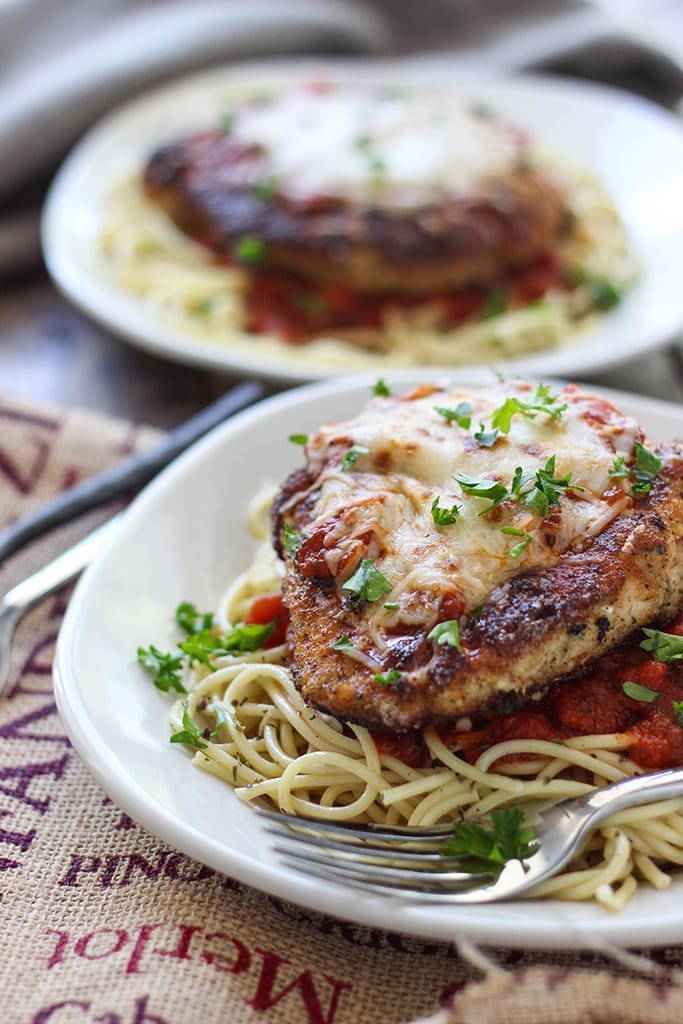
634	147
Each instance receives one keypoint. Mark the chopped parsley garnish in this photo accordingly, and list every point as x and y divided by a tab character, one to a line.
444	516
344	644
604	293
646	469
250	250
378	167
300	439
494	304
517	549
664	646
488	850
541	400
459	415
202	307
447	633
618	468
191	620
391	606
677	707
547	489
265	189
640	693
485	439
163	666
292	541
192	735
493	490
381	390
483	110
226	122
240	640
388	678
351	457
367	582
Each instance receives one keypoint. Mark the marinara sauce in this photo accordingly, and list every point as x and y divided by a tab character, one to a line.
296	311
597	703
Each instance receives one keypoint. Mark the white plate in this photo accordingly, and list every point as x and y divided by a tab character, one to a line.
635	147
185	538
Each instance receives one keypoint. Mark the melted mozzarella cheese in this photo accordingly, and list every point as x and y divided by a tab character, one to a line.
414	453
374	146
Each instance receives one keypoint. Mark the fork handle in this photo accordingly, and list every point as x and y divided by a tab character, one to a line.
631	792
128	475
57	572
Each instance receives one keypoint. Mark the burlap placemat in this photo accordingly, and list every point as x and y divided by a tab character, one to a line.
104	924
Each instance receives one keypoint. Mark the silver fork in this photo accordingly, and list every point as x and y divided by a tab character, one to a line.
408	861
45	581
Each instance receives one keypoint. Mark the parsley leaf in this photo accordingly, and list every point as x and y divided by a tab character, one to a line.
243	639
192	735
494	304
664	646
677	706
265	189
479	488
484	439
640	693
301	439
489	850
517	549
165	668
541	400
519	480
447	633
444	516
604	293
459	415
344	644
250	250
381	389
191	620
292	541
226	122
390	677
367	582
646	469
351	457
618	468
547	489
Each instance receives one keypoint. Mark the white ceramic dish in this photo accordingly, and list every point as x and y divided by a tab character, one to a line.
184	538
635	147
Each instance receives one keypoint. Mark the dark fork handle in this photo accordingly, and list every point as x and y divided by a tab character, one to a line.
130	474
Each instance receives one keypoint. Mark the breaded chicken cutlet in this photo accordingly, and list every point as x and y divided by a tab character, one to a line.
456	551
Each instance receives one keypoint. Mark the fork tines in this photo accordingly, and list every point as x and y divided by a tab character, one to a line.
373	857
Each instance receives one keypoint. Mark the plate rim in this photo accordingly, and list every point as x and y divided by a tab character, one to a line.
514	926
98	299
